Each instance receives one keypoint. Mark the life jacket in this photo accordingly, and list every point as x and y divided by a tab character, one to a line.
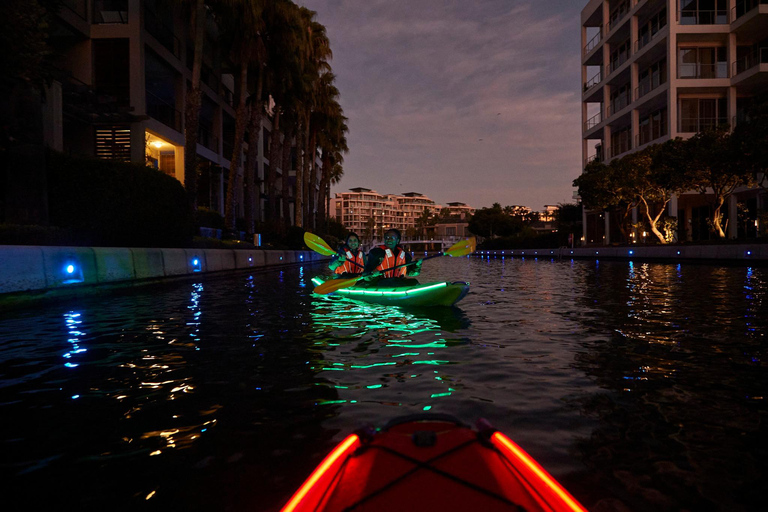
392	260
348	266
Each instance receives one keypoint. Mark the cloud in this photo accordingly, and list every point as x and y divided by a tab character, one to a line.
423	82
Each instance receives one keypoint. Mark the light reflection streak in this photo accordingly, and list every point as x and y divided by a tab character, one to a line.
356	342
73	321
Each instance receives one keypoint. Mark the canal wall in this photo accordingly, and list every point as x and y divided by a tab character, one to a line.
738	253
41	268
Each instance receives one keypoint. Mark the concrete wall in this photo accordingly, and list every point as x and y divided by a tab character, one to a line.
35	268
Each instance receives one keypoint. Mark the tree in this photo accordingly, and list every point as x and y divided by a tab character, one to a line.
193	101
604	187
242	23
492	222
714	164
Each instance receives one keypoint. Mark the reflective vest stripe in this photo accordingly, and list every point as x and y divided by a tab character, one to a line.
350	267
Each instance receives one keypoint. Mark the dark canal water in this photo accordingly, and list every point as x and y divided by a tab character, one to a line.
640	386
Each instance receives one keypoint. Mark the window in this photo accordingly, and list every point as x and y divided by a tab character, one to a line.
619	98
703	12
619	55
697	114
709	62
621	141
652	77
650	28
114	143
653	126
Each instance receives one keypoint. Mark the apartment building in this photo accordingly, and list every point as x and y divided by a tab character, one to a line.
659	69
361	209
125	67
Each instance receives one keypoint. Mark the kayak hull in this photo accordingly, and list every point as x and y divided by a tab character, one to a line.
430	463
421	295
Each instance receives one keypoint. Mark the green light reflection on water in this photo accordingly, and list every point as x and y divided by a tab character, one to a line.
368	339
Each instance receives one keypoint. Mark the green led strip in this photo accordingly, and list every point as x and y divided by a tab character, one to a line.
385	293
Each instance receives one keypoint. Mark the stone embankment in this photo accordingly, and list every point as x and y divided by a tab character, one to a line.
30	269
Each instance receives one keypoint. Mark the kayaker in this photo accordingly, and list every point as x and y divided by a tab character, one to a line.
383	257
350	260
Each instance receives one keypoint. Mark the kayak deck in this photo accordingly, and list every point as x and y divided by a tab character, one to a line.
430	463
444	293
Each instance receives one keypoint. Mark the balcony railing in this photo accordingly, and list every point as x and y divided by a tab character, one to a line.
618	16
593	121
163	112
592	42
744	6
162	32
699	70
110	11
697	17
699	124
617	150
646	136
750	61
593	81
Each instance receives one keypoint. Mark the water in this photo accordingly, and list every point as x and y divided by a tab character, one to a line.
639	386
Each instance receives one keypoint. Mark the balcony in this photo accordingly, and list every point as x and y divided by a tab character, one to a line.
703	17
162	33
593	121
592	43
206	138
163	112
699	124
618	60
646	87
750	61
694	70
617	17
742	7
593	81
110	11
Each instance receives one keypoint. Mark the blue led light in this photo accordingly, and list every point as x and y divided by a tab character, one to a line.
749	253
631	252
70	269
301	256
195	262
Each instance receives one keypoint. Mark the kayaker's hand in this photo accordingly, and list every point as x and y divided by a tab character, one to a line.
341	258
416	268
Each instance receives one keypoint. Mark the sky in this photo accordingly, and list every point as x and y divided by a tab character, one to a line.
472	101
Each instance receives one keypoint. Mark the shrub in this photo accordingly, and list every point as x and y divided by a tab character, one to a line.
207	218
117	204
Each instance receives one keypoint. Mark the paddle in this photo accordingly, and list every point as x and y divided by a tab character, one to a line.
320	246
461	248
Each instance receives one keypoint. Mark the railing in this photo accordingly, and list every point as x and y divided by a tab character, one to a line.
163	112
110	11
697	17
743	7
161	32
750	61
618	105
698	124
617	150
619	16
699	70
79	7
593	81
593	121
592	42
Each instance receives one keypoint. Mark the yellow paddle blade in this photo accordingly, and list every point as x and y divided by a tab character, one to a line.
317	244
332	285
462	248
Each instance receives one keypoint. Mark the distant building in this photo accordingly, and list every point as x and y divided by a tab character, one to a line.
658	69
362	208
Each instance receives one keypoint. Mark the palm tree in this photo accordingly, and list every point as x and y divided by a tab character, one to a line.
193	103
242	24
333	143
317	52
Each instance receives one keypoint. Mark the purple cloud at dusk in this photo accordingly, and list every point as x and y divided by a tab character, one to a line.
471	101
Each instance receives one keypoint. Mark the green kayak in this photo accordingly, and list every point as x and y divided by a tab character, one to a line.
442	293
